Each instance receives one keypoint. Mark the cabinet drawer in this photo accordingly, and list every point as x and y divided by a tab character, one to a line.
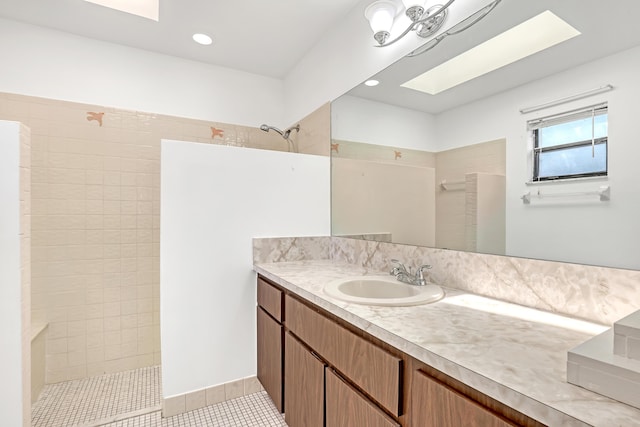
270	298
346	407
434	404
371	368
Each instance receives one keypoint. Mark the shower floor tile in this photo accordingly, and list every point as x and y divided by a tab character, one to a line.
254	410
83	402
132	399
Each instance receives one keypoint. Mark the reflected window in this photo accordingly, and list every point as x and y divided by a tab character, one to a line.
570	145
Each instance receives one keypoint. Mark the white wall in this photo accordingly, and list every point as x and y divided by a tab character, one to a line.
214	200
53	64
588	232
10	278
362	120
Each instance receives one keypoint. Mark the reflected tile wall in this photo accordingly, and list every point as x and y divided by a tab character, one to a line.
381	153
452	166
95	225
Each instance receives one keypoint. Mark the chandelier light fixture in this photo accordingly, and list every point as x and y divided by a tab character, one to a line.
424	21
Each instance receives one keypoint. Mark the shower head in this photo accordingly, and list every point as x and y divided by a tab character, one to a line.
268	128
284	134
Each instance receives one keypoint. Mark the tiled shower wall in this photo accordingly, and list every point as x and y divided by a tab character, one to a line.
25	267
451	166
95	224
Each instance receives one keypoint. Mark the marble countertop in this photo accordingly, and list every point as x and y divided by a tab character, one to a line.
512	353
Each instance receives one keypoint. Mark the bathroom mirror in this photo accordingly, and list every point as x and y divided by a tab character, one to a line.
451	170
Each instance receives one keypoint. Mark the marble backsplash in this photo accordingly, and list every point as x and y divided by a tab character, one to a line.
282	249
598	294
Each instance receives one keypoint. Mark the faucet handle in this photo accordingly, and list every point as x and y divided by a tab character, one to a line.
397	269
419	272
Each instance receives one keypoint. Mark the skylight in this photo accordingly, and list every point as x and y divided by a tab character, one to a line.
144	8
532	36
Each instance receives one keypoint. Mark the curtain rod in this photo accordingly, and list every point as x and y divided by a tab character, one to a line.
605	88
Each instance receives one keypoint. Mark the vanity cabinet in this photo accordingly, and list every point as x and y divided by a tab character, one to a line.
270	333
333	374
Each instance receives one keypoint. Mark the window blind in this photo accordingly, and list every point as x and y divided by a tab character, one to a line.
568	116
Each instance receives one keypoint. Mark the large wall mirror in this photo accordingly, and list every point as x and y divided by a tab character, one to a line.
453	169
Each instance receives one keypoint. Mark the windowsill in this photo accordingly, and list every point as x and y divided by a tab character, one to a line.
568	180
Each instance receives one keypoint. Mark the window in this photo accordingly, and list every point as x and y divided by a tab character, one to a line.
570	145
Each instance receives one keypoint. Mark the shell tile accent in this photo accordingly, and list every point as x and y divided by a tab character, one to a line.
217	132
93	116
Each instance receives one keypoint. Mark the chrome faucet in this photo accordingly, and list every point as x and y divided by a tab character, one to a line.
403	275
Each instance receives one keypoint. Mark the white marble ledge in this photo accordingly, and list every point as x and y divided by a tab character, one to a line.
512	353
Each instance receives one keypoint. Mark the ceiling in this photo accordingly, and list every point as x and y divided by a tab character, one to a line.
257	36
605	30
270	37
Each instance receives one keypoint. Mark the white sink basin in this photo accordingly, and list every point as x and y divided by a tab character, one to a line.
382	290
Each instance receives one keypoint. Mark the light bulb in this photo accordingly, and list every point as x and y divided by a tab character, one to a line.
380	15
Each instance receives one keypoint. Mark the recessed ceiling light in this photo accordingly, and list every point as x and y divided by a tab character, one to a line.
371	83
202	39
145	8
532	36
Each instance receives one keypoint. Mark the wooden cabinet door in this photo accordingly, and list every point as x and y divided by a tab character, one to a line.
303	384
433	404
270	361
346	407
371	368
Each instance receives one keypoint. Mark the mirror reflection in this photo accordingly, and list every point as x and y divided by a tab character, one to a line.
456	169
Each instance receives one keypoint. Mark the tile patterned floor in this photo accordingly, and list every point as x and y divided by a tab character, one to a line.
132	399
254	410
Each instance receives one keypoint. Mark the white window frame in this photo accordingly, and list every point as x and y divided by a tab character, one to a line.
568	116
